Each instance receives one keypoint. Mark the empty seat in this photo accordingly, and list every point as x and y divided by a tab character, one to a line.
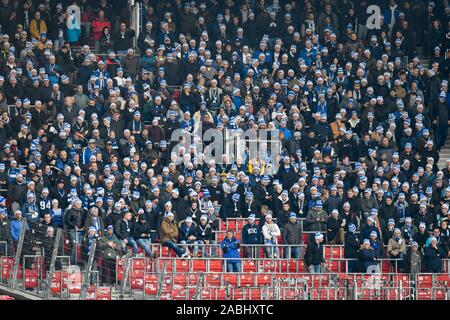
423	294
139	264
179	279
262	279
249	266
137	279
215	265
213	279
247	280
31	279
198	265
151	284
181	265
230	278
103	293
424	281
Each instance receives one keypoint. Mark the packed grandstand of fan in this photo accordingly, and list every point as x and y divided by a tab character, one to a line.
89	107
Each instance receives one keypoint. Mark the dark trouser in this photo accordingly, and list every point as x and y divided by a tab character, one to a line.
172	245
294	252
5	248
441	136
108	271
352	266
397	262
252	252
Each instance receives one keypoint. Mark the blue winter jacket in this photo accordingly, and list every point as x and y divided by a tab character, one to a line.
231	249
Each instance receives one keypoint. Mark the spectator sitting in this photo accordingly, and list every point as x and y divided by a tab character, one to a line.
168	234
188	235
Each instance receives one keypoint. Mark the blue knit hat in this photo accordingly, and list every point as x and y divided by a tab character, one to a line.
351	227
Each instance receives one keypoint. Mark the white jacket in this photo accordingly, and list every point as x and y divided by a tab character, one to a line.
271	231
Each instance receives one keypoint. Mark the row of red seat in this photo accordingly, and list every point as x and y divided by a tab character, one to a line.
255	287
248	265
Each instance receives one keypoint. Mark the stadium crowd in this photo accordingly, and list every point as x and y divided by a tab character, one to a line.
87	118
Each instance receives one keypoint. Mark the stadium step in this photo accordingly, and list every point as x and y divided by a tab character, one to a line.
444	154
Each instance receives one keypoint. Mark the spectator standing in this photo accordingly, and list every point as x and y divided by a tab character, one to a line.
397	249
292	236
433	256
271	232
314	258
414	259
230	247
367	256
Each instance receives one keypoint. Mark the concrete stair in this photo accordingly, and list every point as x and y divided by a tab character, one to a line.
444	153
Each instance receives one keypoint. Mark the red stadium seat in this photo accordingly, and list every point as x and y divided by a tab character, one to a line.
213	279
181	265
385	266
424	281
31	279
91	293
247	280
269	266
74	282
249	266
179	279
192	279
198	265
151	284
6	265
137	279
253	294
237	294
262	279
305	238
230	278
424	294
139	264
215	265
231	225
443	278
220	294
179	293
168	263
103	293
289	266
439	294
